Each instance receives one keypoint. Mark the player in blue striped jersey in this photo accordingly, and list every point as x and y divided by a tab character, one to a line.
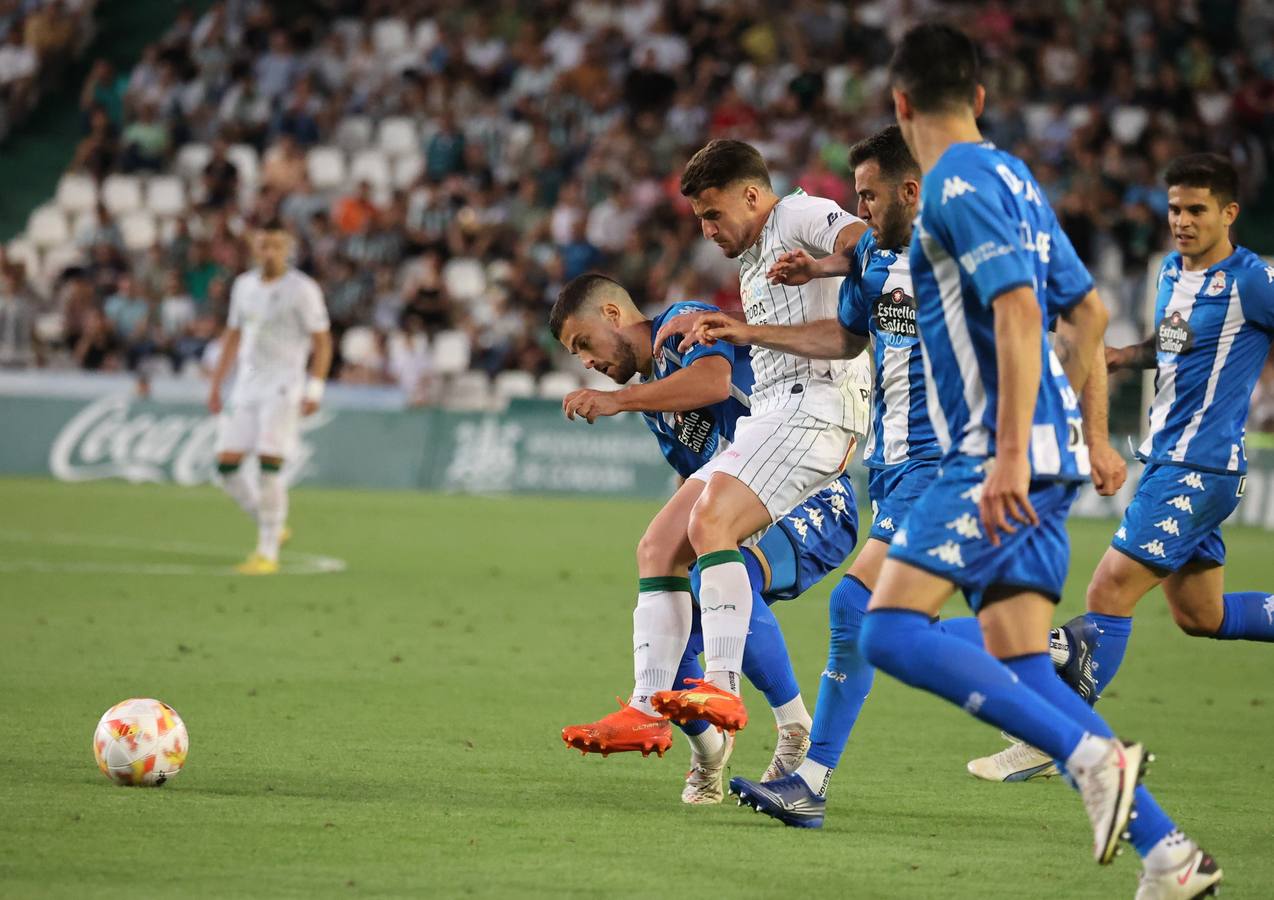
691	402
990	268
1214	318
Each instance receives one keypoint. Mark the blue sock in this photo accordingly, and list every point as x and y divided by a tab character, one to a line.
847	678
690	668
966	628
905	644
1036	671
1113	635
1248	616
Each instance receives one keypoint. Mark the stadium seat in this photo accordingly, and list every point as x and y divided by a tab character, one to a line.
514	384
407	169
464	277
139	230
1127	123
425	36
468	391
359	347
50	327
451	352
354	133
372	166
24	252
76	193
350	29
397	136
390	37
57	261
326	166
48	227
122	193
246	161
597	381
166	195
556	385
192	159
82	223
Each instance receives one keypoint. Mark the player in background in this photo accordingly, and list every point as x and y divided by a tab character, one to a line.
277	318
798	436
990	266
691	403
1215	317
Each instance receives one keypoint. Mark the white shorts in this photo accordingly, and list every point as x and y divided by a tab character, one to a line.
264	422
783	456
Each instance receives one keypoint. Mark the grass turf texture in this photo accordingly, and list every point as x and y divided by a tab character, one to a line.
393	729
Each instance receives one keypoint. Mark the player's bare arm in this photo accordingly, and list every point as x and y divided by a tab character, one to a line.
797	267
1079	337
685	324
320	364
1135	356
704	382
824	339
229	351
1005	494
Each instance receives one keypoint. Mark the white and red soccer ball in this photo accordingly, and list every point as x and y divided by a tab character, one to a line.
140	742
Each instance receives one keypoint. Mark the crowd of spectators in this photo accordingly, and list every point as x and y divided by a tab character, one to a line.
37	38
546	139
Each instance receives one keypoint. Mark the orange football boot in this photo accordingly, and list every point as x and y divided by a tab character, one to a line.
703	700
623	731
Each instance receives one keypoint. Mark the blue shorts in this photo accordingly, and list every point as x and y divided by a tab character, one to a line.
942	534
893	491
810	541
1175	517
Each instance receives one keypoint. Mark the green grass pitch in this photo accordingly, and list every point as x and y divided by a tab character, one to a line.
393	729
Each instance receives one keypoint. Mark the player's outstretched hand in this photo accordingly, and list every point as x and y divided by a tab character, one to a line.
214	400
683	324
793	268
717	326
1109	468
309	407
590	405
1006	497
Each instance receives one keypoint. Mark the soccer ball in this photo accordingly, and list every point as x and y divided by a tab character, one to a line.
140	741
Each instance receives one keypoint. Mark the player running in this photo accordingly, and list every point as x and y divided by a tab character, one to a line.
691	402
989	265
798	436
1215	314
277	318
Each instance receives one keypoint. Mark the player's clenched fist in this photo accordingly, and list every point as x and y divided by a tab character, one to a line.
590	405
1006	497
793	268
1109	470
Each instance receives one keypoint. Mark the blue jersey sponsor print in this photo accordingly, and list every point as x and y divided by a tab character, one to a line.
811	540
877	300
985	228
1212	339
690	439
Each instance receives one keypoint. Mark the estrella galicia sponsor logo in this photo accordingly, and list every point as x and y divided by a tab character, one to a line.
694	429
1175	334
896	313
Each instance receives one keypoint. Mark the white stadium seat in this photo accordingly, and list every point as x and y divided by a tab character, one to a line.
468	391
246	161
597	381
407	169
326	166
556	385
354	133
166	195
192	159
359	347
451	352
76	193
139	230
372	166
426	35
25	252
122	193
514	384
350	29
57	261
48	227
397	135
82	223
390	37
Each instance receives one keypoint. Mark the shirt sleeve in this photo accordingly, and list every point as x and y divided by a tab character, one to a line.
1256	294
1068	278
234	318
817	223
313	311
851	306
698	351
979	224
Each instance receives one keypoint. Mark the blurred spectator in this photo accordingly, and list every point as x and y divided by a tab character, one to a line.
18	66
220	179
129	314
353	213
145	141
18	311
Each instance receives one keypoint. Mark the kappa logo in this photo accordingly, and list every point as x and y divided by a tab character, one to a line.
973	494
948	553
1171	273
974	702
1217	284
886	524
955	186
1121	534
816	516
1169	525
900	539
801	526
1269	274
1154	548
1192	480
966	526
838	677
837	488
837	503
1269	608
1182	502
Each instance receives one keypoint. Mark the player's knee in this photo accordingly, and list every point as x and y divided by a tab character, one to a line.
1195	621
658	552
1110	594
708	528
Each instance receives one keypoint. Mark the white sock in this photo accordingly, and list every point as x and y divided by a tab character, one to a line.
725	605
661	627
708	744
1173	849
793	712
1090	751
242	490
273	514
815	775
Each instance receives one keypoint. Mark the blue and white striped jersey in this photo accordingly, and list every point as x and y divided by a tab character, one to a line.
985	228
877	300
690	439
1213	335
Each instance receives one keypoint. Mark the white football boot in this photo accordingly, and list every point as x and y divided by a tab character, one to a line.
1198	876
705	782
1107	790
789	752
1017	762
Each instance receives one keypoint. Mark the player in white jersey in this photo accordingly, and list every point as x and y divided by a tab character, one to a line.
799	433
277	319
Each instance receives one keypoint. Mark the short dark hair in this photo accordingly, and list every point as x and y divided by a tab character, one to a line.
937	67
889	151
574	294
723	162
1205	170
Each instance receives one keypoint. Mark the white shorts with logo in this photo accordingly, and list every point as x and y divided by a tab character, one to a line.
783	456
264	420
